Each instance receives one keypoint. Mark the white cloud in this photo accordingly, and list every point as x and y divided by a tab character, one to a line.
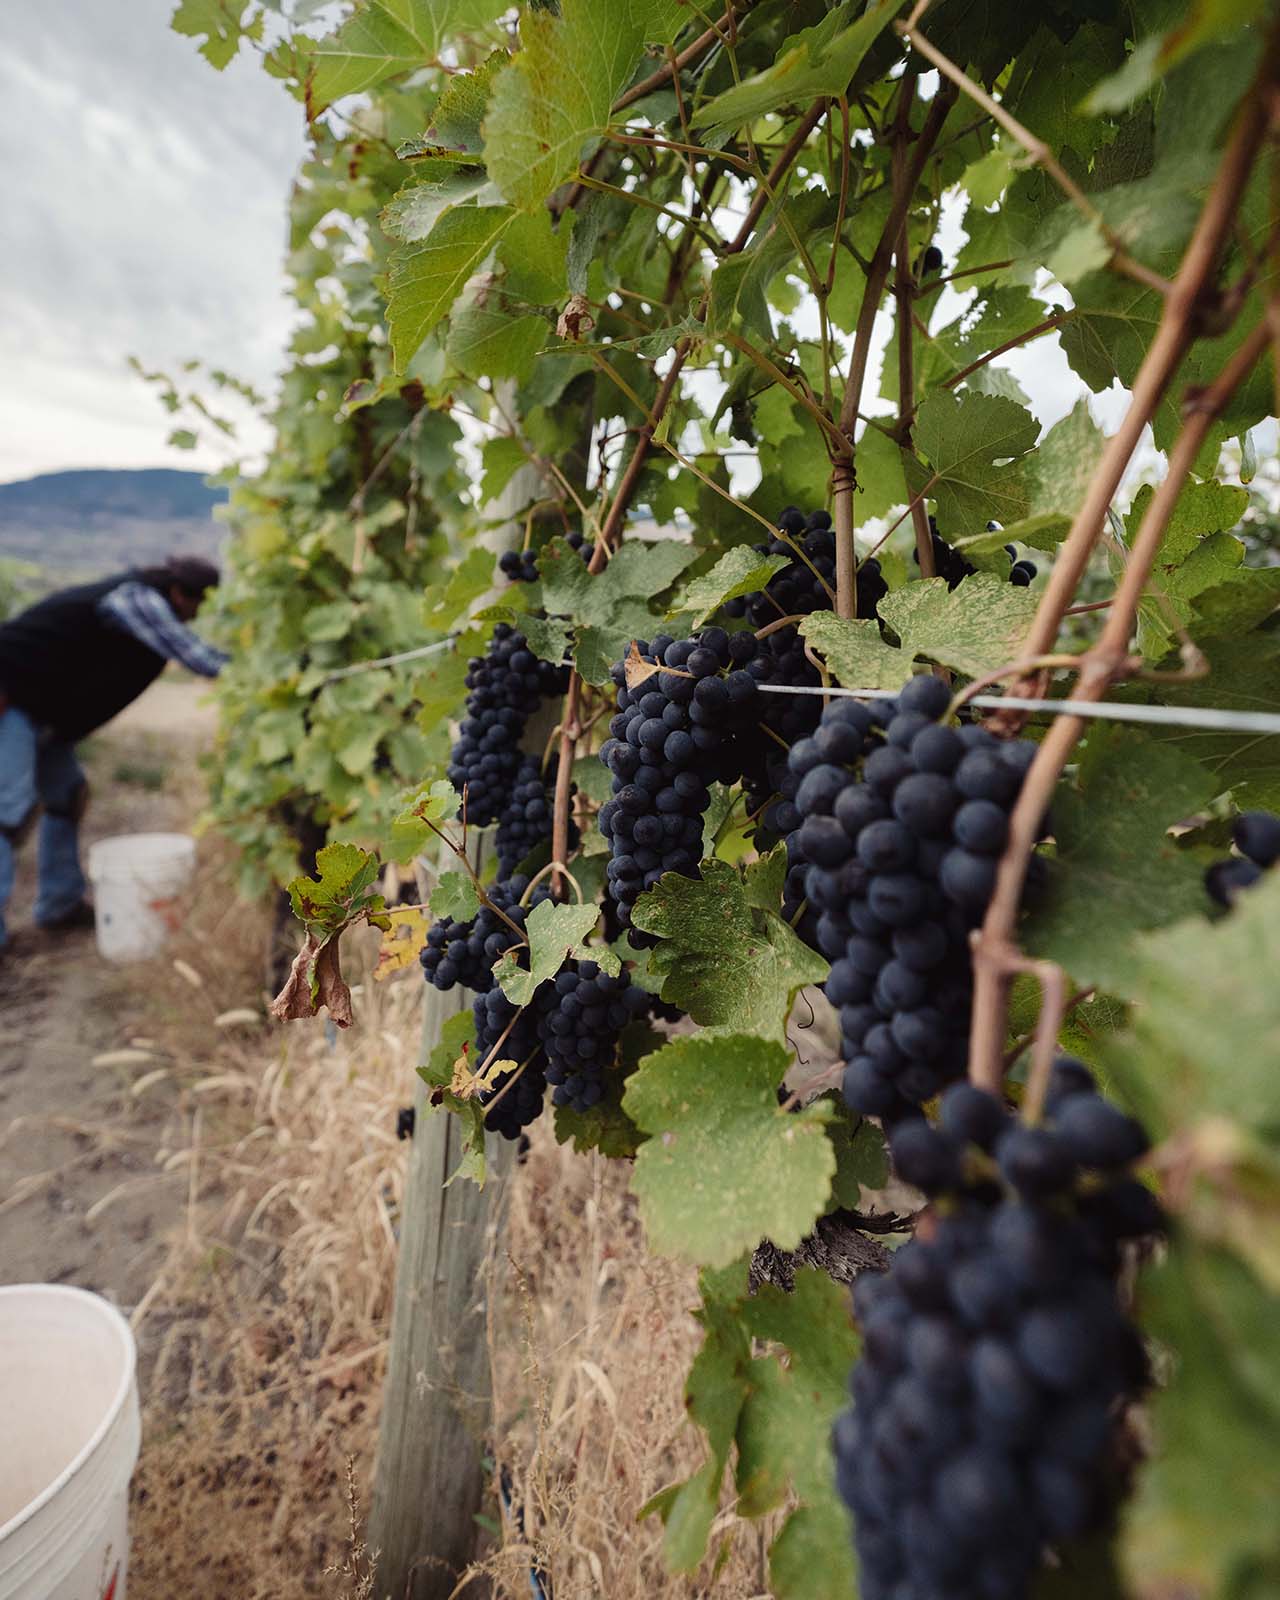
145	216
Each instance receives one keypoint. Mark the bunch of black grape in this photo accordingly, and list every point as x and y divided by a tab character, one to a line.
997	1359
463	952
904	820
1257	837
674	734
581	1015
505	687
521	566
948	563
526	821
515	1099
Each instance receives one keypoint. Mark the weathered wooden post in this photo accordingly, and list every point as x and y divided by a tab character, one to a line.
436	1408
436	1401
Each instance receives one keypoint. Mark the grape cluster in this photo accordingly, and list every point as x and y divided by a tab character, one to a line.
504	687
580	1016
997	1359
902	857
674	734
948	563
515	1098
526	820
806	583
463	952
1257	837
521	566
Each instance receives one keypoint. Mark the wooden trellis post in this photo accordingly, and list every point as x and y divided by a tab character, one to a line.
436	1407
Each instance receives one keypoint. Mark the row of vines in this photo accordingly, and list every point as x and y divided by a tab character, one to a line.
755	881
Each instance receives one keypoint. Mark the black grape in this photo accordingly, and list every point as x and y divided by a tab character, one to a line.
464	952
675	734
526	820
580	1018
505	687
948	562
901	839
521	566
997	1358
515	1098
1257	837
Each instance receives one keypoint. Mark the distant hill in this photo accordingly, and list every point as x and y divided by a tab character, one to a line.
74	524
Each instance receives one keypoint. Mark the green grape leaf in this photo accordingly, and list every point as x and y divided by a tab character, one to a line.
881	480
974	628
1244	675
411	831
1114	850
554	99
855	653
861	1159
815	61
1204	1035
416	208
724	1166
448	604
1043	532
340	893
1203	1511
591	777
1060	470
731	968
971	443
763	880
221	25
556	934
494	344
501	458
454	898
739	571
459	112
611	608
383	39
427	278
740	284
1201	23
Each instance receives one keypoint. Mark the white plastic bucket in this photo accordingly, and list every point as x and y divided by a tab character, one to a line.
69	1400
138	879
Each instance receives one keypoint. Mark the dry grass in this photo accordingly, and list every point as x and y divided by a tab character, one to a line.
591	1338
263	1339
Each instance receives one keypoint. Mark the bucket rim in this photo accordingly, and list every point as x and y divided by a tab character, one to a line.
67	1291
104	846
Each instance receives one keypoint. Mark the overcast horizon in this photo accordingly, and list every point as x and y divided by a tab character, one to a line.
145	217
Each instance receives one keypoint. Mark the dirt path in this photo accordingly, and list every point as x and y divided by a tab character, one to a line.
83	1199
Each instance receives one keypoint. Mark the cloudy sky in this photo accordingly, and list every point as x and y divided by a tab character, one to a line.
143	214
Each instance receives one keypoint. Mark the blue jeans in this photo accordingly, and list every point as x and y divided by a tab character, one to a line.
36	768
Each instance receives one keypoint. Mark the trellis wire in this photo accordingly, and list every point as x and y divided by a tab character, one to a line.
1109	710
1208	717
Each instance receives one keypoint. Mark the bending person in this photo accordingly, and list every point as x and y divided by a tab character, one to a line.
67	665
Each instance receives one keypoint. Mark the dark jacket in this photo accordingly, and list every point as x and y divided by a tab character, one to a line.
67	667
